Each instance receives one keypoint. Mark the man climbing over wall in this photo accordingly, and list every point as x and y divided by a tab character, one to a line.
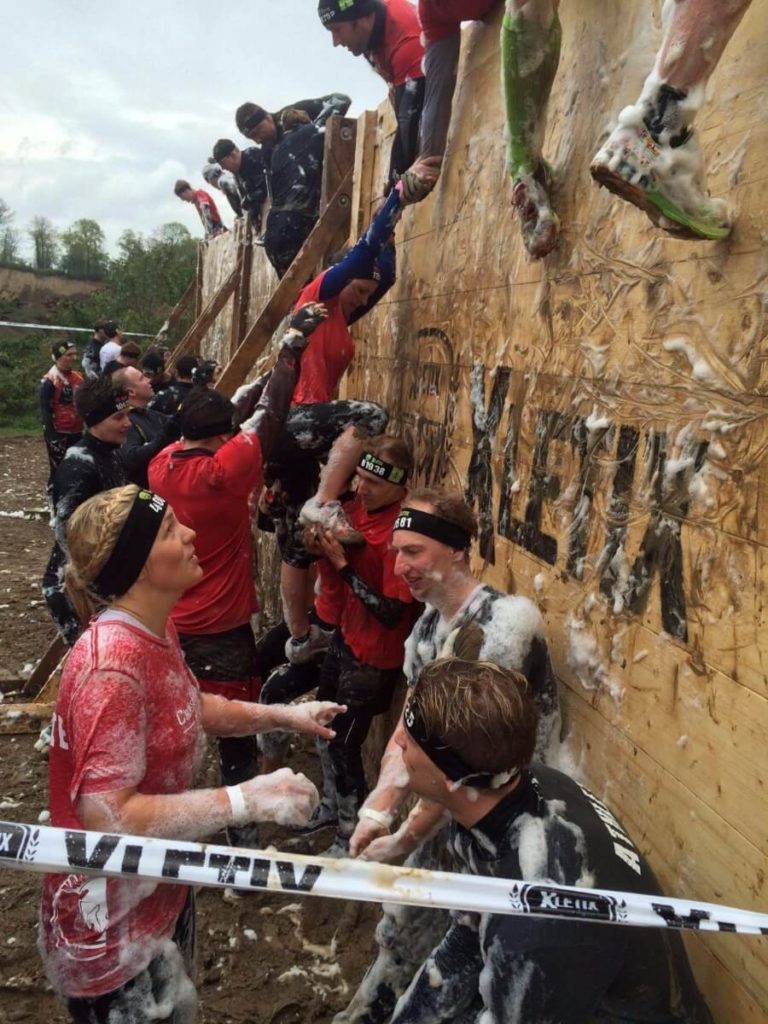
652	157
247	165
205	206
292	146
530	52
387	34
467	738
319	426
464	618
215	176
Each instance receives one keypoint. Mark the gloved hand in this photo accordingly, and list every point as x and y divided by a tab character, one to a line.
284	797
418	181
308	317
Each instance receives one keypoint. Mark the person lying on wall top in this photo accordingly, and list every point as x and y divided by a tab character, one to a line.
292	145
247	167
215	176
205	206
388	35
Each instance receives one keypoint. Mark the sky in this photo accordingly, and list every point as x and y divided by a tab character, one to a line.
105	105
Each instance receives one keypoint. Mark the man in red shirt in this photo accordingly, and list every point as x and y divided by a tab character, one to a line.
205	206
62	425
208	477
318	425
375	614
387	34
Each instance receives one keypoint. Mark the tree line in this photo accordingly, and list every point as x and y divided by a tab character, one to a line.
77	252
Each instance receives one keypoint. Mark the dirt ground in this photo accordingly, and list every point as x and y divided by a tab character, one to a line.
262	959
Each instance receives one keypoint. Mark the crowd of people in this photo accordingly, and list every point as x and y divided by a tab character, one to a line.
156	482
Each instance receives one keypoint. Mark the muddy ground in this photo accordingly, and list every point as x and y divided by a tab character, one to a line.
262	959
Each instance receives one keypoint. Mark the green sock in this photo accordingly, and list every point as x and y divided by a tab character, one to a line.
527	85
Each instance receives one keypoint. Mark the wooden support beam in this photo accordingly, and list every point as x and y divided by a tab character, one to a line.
338	160
206	318
334	219
242	297
44	669
201	250
177	312
365	161
24	718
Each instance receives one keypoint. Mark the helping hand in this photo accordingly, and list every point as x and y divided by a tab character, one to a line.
308	317
312	717
285	797
418	181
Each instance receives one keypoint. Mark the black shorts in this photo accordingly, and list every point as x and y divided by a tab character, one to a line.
224	663
308	436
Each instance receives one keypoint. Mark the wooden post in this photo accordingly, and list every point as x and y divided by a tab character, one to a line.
177	312
365	160
334	219
338	160
242	296
206	318
44	669
201	250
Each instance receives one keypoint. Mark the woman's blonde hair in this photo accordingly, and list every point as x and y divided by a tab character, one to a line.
92	533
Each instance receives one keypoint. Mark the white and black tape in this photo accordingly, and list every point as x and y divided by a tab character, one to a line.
42	848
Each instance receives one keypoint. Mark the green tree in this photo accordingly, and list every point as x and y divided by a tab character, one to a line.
10	238
83	253
45	239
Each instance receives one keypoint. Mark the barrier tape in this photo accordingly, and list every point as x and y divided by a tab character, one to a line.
43	848
79	330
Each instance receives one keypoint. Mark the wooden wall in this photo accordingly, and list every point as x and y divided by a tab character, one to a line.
606	410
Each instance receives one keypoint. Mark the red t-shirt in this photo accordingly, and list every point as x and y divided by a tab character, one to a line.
65	417
441	18
209	493
202	199
329	593
328	354
401	53
127	716
368	639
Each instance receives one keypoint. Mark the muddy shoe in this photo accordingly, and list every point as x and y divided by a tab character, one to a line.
300	650
664	181
539	224
329	515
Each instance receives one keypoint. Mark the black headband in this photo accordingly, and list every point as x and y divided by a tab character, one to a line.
447	760
115	402
133	545
433	526
253	120
384	470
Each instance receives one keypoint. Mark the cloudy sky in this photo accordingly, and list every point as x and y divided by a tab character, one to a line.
105	105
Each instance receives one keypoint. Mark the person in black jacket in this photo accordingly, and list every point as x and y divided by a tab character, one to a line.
247	165
150	430
170	399
91	365
89	467
215	175
468	735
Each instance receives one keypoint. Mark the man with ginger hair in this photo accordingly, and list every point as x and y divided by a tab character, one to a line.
467	738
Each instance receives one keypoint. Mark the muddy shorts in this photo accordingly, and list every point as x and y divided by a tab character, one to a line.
308	436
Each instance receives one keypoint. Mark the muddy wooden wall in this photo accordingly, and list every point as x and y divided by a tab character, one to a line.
606	410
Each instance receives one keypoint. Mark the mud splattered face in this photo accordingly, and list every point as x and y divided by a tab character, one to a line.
357	293
172	564
231	162
66	362
352	35
424	563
